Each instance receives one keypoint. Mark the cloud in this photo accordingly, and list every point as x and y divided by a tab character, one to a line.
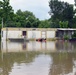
69	1
39	7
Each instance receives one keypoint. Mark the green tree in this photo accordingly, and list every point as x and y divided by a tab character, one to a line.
28	24
6	11
26	19
44	24
74	22
54	23
62	11
63	24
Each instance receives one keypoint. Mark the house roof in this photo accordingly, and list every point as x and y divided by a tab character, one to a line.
29	29
67	29
38	29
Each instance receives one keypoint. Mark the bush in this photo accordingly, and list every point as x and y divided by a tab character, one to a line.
66	37
74	35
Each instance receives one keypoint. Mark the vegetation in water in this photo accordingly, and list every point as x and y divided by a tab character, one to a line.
66	37
74	35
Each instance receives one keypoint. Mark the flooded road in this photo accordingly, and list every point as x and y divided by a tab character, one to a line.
38	58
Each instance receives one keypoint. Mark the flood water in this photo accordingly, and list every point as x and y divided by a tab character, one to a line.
38	58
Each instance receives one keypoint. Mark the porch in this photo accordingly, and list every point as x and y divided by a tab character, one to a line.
65	33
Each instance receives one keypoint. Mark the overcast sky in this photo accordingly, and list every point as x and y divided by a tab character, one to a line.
40	8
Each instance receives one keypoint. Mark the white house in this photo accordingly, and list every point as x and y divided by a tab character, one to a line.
28	33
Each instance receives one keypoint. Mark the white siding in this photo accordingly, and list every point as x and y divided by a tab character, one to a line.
30	34
34	34
14	34
50	34
38	34
43	34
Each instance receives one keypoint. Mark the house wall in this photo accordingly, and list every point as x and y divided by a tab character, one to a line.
30	34
11	34
33	34
43	34
40	34
14	34
51	34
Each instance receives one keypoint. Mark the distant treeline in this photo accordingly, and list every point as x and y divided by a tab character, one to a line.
62	15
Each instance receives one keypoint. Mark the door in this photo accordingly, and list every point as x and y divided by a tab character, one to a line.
24	33
43	34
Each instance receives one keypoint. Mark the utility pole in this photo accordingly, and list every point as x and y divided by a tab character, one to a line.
2	22
1	29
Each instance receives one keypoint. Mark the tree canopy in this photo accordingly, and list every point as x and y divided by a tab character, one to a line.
62	15
6	11
61	11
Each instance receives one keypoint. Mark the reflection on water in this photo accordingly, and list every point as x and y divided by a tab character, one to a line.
38	58
52	46
28	46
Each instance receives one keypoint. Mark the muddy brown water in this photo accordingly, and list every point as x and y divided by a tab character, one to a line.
38	58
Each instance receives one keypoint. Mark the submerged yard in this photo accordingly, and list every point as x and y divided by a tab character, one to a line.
38	58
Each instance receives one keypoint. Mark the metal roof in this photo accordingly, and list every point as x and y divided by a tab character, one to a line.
37	29
29	29
67	29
